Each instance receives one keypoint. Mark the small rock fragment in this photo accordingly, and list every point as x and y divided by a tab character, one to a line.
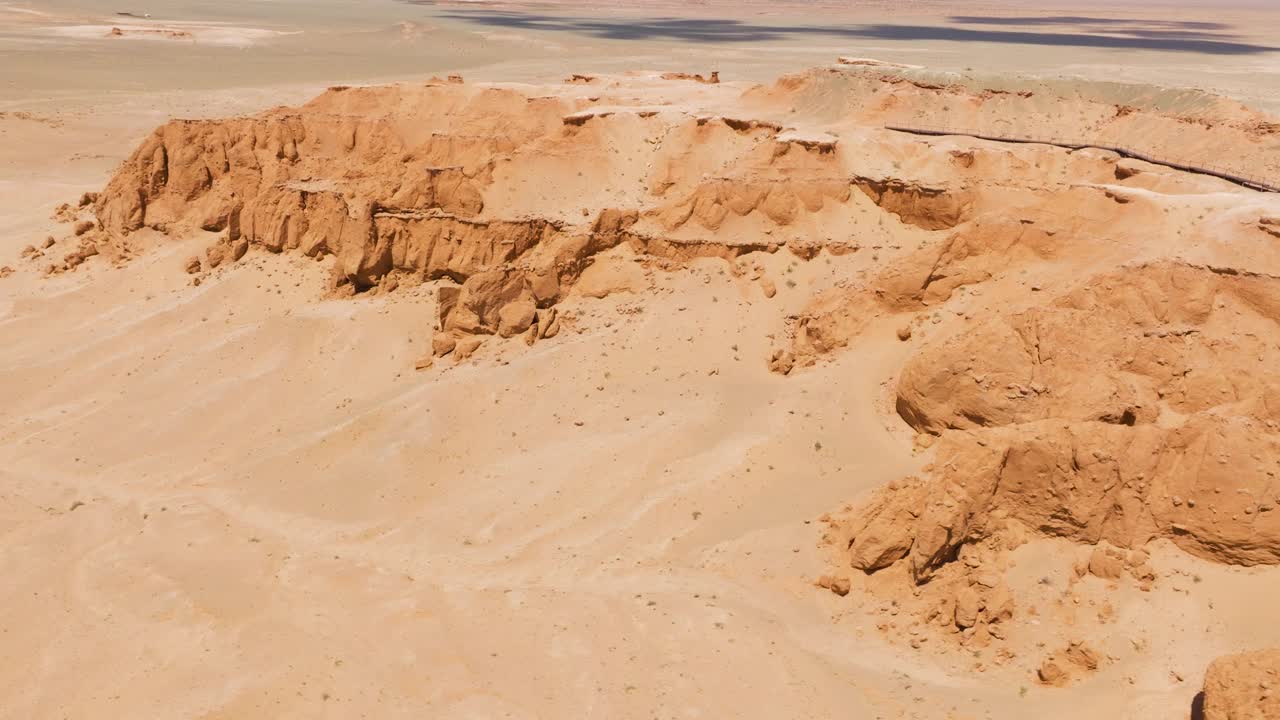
553	329
1083	656
782	362
466	347
968	605
215	254
545	318
239	248
839	585
1105	562
76	258
442	344
767	287
999	605
1051	673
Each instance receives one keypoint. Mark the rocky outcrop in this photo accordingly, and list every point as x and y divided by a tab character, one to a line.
1121	412
396	180
314	178
712	79
993	242
377	194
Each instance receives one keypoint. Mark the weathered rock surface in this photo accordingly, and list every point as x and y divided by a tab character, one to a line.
1243	687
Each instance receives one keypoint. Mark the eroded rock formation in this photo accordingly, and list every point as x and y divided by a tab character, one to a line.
1142	406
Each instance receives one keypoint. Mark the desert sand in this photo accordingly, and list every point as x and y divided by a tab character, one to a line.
492	362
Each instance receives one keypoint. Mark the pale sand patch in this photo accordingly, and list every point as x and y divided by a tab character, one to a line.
204	33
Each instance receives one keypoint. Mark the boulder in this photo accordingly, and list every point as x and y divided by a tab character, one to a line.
1106	562
1245	686
767	287
442	344
467	347
516	317
215	254
782	362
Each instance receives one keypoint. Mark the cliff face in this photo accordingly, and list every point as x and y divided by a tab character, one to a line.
452	181
381	179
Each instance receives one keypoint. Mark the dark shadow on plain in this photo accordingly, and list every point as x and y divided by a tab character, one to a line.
706	30
1168	34
1082	20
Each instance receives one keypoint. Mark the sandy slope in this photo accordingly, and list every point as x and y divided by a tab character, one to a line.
287	466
